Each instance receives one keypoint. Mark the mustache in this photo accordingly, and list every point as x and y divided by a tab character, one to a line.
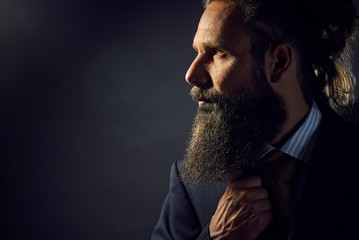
204	94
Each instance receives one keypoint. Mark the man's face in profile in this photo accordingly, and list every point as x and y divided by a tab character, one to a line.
238	110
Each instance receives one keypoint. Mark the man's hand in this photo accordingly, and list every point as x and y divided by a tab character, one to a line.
243	212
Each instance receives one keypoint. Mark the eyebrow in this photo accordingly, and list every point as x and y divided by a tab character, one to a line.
217	44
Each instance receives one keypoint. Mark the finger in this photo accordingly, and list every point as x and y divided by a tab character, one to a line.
240	185
236	175
263	220
267	217
262	206
249	182
255	194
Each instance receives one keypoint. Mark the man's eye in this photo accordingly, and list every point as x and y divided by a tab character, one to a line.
219	51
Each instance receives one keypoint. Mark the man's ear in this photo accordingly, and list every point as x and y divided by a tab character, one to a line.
282	61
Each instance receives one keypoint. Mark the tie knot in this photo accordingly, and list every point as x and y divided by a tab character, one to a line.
277	165
273	156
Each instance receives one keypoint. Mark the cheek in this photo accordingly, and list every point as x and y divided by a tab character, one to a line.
230	77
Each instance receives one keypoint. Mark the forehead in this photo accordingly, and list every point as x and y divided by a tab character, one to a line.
221	24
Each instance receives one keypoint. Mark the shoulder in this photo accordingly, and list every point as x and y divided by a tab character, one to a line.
338	141
334	128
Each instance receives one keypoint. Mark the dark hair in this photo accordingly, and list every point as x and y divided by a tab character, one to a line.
320	31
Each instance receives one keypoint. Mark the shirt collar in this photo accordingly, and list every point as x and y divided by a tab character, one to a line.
298	144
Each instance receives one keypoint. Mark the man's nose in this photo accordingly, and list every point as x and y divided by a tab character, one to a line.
197	74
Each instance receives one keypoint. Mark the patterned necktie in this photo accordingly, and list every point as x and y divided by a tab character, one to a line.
278	170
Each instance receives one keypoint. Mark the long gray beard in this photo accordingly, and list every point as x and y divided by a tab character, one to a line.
228	131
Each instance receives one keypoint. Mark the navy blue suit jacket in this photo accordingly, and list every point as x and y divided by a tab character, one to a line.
329	206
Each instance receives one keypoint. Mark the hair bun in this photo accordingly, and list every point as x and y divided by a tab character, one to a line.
331	22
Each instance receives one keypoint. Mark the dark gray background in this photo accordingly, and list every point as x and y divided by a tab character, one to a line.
94	109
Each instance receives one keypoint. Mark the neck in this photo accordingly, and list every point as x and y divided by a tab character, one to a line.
296	112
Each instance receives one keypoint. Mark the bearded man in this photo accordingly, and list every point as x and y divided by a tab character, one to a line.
268	157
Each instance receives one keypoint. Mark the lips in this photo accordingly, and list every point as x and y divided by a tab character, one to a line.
204	97
202	102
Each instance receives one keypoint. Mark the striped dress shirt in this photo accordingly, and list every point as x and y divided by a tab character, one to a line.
300	143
